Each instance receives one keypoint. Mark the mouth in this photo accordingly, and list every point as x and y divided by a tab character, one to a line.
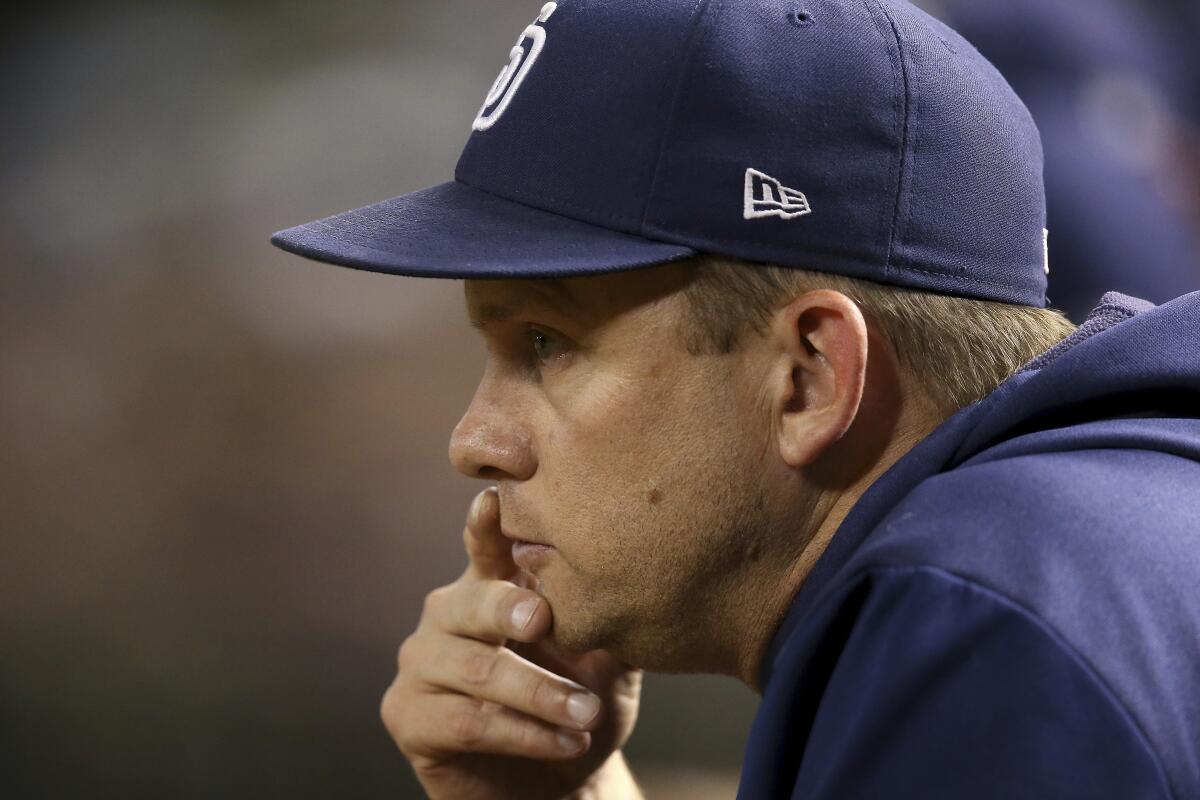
512	536
520	539
528	555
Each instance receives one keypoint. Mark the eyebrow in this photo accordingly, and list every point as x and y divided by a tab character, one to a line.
492	313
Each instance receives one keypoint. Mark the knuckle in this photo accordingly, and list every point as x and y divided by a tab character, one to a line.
406	654
470	721
478	666
529	738
385	715
434	600
541	694
389	714
482	610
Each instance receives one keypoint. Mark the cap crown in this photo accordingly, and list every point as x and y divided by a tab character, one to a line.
860	137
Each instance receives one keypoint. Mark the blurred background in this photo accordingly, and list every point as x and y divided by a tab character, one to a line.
225	488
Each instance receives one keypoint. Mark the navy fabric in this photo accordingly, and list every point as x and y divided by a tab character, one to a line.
922	166
1013	609
583	132
453	231
892	150
1115	225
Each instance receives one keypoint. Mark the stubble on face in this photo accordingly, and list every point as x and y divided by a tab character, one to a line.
668	605
650	485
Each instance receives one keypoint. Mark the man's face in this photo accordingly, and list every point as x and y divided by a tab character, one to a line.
649	470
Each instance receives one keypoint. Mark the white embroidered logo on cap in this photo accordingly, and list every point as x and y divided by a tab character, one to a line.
1046	249
767	197
514	72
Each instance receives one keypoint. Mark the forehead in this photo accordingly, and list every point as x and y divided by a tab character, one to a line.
494	301
590	298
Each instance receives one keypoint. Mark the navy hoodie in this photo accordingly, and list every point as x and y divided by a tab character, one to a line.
1013	609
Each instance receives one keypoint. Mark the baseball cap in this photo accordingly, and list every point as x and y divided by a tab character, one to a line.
858	137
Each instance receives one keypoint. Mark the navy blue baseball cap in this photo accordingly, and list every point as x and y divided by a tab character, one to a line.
858	137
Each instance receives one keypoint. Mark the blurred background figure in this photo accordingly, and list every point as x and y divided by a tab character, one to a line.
225	481
1113	87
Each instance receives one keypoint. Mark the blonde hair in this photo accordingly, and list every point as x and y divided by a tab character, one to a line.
957	349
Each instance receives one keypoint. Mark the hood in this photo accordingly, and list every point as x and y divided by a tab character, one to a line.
1129	377
1129	360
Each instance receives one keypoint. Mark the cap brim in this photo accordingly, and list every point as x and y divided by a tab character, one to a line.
456	231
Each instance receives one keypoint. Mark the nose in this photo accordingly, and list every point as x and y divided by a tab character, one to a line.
491	442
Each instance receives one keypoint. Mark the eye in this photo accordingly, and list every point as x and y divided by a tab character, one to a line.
545	346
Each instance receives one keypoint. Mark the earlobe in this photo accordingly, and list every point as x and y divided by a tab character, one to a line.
823	340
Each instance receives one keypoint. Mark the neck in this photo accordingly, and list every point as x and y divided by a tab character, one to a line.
826	515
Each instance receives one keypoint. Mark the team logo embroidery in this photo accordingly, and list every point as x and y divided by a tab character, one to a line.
767	197
520	61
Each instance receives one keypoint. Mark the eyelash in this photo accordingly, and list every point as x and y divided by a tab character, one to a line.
533	335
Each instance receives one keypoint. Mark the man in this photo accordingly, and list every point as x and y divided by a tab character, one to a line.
771	392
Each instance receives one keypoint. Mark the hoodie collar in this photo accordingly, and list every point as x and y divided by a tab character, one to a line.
1032	392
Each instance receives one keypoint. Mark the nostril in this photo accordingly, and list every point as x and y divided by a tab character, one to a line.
489	473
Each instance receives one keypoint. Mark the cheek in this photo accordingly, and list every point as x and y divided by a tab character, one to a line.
628	473
607	472
632	453
614	443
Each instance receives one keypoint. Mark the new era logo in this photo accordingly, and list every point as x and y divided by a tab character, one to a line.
767	197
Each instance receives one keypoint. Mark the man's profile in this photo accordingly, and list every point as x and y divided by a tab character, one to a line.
773	391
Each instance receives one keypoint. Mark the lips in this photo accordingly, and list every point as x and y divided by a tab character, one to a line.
507	514
529	556
518	539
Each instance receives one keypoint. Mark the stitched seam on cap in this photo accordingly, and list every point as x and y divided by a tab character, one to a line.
685	68
679	235
903	136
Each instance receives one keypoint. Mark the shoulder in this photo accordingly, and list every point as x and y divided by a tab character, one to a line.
1090	553
929	681
1000	515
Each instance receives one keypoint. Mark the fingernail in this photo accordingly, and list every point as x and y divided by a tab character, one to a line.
582	707
523	612
477	507
570	742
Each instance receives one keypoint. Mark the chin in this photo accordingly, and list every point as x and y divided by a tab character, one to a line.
584	636
576	638
581	629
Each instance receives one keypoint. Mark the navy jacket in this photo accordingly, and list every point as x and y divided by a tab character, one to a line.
1013	609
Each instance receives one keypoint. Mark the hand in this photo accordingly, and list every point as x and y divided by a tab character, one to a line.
480	718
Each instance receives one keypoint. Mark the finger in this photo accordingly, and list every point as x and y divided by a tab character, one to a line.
438	724
499	675
489	552
490	611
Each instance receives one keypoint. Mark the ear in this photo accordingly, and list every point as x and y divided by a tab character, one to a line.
821	340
